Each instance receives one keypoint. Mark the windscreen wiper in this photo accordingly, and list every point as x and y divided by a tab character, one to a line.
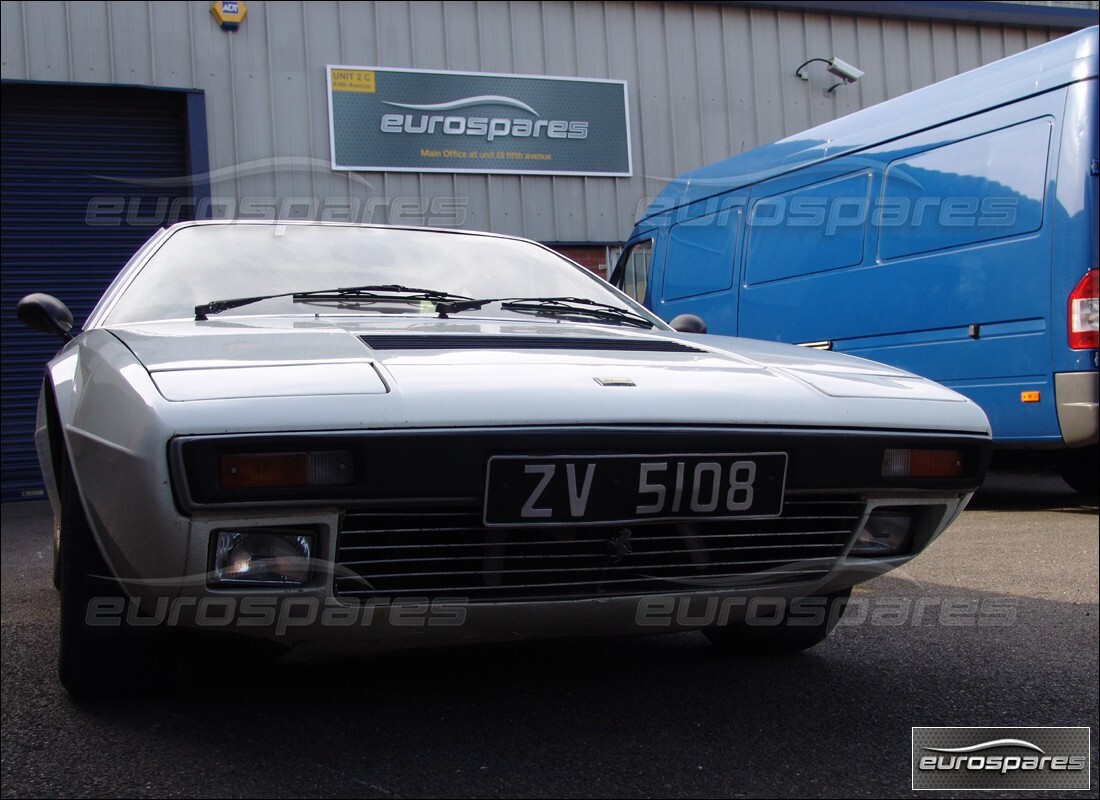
562	306
390	292
566	306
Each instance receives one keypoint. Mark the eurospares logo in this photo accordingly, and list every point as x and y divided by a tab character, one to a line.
432	119
1001	758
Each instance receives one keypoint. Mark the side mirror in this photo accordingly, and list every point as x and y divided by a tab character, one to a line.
46	313
688	323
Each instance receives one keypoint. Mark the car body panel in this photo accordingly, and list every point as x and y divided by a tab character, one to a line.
420	401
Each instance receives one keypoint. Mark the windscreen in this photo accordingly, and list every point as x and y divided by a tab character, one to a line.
205	263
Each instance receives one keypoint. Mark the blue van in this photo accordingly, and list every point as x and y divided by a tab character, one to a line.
951	232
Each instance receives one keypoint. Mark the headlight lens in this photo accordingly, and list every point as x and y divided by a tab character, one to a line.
887	532
263	556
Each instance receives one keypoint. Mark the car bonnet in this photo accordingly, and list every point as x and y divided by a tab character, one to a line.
459	372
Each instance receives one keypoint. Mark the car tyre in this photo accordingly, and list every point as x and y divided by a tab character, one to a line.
96	661
798	625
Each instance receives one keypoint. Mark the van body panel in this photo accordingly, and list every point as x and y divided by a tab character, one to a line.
941	232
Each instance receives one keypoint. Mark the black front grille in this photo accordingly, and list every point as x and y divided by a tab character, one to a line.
449	553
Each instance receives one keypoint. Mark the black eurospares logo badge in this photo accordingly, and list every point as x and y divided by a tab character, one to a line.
1027	759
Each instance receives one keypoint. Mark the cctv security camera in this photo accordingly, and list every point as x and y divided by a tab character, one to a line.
841	69
844	70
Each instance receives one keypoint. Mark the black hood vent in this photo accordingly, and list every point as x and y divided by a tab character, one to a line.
478	342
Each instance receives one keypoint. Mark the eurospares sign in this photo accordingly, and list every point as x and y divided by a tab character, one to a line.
404	120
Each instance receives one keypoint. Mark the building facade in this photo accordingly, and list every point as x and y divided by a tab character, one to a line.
121	117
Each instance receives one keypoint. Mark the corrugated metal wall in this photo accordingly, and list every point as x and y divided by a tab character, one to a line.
704	81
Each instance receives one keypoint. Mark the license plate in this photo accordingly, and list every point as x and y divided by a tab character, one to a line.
600	490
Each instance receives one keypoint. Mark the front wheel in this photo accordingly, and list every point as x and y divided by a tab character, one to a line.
101	655
785	627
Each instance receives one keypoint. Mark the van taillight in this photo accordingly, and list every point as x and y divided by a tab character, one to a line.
1084	312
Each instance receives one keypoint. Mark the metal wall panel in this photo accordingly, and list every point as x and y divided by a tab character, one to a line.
705	80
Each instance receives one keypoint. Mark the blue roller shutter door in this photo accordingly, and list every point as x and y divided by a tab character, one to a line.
87	176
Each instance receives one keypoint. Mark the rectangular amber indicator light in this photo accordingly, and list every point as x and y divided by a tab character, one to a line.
264	470
1030	397
936	464
922	463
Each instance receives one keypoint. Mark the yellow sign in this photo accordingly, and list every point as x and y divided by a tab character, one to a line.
229	13
353	80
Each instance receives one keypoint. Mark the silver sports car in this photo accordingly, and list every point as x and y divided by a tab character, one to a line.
336	437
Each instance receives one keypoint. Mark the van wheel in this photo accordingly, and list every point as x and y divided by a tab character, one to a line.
96	661
1080	468
799	625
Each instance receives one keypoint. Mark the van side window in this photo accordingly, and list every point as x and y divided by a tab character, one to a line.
632	271
977	190
701	254
811	229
